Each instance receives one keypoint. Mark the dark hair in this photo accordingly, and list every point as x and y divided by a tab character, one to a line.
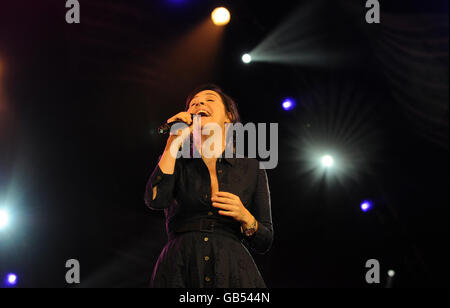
230	105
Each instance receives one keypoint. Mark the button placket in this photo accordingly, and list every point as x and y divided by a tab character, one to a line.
209	267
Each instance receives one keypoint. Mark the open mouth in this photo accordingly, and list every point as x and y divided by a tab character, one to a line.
203	113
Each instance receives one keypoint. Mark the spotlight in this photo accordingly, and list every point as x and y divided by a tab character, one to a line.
4	219
366	206
327	161
246	58
391	273
11	279
288	104
220	16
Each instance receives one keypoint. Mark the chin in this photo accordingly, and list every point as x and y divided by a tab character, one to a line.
206	121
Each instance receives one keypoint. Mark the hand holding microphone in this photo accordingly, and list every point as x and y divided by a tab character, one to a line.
174	143
182	133
183	116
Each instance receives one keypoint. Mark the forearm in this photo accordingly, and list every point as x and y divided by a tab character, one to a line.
167	161
260	211
160	186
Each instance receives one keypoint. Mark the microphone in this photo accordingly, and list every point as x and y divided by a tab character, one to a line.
165	128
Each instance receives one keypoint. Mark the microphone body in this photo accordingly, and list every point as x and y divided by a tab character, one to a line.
165	128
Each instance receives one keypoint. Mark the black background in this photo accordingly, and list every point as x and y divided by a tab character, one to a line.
82	101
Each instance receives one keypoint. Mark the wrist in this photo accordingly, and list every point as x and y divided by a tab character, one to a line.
250	226
247	221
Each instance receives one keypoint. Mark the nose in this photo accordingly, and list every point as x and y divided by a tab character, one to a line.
198	103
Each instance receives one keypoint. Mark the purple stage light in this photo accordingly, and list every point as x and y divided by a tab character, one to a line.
366	206
176	2
11	279
288	104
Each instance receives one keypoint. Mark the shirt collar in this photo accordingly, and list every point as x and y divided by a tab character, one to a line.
231	160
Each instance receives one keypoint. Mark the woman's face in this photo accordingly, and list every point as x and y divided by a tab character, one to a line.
210	106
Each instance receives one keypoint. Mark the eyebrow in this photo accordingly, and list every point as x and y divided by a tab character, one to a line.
211	94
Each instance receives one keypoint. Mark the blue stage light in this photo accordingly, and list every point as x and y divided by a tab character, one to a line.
366	206
11	279
288	104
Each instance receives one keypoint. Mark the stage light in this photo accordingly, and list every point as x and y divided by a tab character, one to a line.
246	58
11	279
177	1
366	206
220	16
288	104
4	219
327	161
391	273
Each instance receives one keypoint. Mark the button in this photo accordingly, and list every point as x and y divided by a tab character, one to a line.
206	239
206	197
210	213
206	258
207	279
219	171
220	160
158	177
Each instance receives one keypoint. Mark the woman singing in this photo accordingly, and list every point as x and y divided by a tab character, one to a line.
213	206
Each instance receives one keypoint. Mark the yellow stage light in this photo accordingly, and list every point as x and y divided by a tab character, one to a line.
220	16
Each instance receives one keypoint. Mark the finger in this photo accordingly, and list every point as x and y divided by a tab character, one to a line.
225	194
223	206
187	119
223	200
226	213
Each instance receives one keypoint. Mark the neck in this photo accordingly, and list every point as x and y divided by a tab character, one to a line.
217	145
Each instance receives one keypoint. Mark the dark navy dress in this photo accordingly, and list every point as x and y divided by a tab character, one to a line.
206	249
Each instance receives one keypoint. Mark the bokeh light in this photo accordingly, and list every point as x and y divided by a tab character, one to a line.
288	104
11	279
327	161
246	58
221	16
366	206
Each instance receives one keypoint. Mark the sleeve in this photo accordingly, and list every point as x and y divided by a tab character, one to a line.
165	189
262	240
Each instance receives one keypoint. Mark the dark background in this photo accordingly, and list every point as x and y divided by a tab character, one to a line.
79	103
